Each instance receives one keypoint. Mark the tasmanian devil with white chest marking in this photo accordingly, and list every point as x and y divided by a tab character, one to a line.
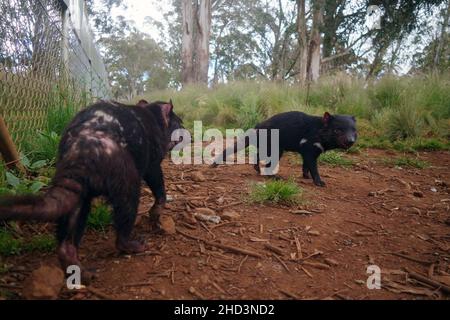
308	135
105	151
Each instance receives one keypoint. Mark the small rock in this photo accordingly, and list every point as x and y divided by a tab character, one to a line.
230	215
44	283
372	194
167	224
198	177
331	262
418	194
169	198
221	200
314	233
433	189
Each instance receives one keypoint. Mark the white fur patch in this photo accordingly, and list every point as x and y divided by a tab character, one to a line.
319	145
106	117
303	141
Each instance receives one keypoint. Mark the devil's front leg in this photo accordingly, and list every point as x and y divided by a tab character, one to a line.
310	157
155	180
305	170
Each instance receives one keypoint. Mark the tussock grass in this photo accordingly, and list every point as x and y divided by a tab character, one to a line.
100	216
276	192
390	111
13	245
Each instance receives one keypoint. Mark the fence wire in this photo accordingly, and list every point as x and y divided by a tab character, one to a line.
47	61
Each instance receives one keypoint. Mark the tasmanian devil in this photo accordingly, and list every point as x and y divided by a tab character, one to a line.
105	151
308	135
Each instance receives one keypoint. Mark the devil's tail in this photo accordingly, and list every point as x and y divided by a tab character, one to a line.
59	200
237	146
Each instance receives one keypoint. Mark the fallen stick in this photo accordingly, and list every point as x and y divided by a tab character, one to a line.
362	224
281	262
241	263
429	281
289	294
219	288
404	256
299	248
316	265
307	272
275	249
222	246
316	253
230	205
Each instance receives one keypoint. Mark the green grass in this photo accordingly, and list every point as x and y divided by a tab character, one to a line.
276	192
99	217
12	245
335	159
405	161
42	147
390	111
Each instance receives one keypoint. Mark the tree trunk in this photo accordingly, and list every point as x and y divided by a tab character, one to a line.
187	49
376	65
442	39
202	41
302	41
313	69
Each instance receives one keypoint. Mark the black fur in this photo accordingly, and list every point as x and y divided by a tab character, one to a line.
105	151
307	135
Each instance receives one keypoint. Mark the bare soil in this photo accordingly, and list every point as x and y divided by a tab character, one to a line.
368	214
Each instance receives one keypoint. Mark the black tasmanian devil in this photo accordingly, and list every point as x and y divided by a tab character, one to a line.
105	151
308	135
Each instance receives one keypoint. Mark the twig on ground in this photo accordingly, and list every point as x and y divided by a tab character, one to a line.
223	246
281	262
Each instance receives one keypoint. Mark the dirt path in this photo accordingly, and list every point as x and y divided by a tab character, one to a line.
368	214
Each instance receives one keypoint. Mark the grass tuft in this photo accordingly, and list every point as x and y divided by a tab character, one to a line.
99	217
276	191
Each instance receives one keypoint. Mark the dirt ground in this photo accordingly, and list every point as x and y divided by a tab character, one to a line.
368	214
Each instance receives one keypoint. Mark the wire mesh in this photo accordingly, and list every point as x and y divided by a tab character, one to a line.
47	59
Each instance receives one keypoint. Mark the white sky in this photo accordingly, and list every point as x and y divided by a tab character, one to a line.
138	10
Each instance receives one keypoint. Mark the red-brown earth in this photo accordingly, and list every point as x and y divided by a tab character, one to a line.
370	213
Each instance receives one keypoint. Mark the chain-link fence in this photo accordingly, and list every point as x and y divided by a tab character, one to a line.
47	60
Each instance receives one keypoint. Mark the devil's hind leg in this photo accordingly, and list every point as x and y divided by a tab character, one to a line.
123	195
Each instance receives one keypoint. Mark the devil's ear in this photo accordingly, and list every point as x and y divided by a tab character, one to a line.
326	118
171	103
166	109
353	118
142	103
